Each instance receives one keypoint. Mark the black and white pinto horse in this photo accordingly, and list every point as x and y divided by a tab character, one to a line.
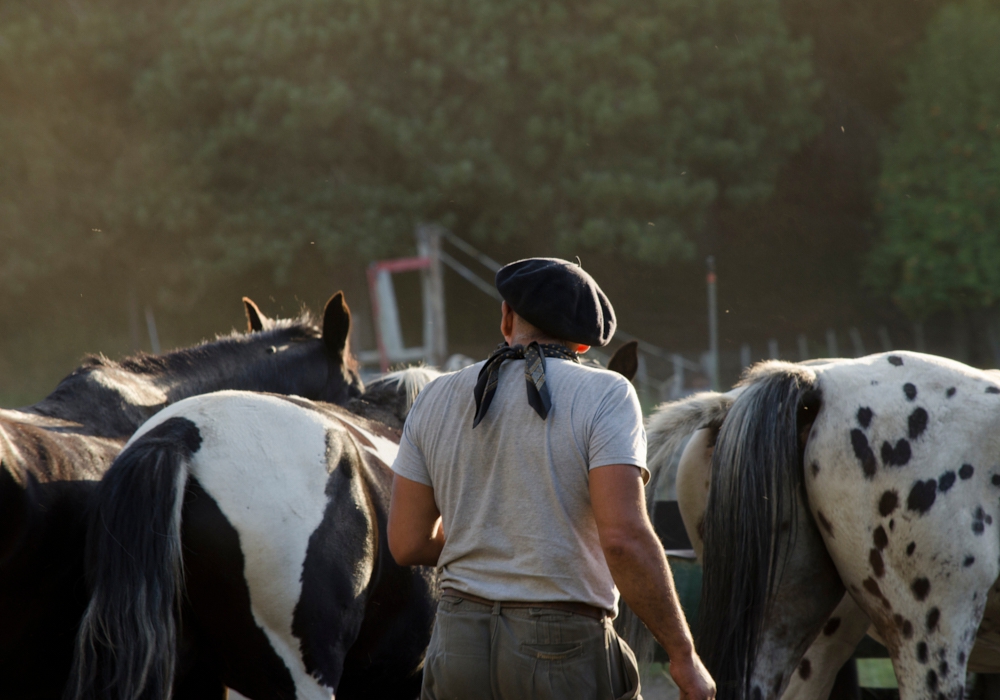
53	453
240	541
259	523
845	497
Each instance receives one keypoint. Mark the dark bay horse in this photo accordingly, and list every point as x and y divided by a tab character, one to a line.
258	522
53	453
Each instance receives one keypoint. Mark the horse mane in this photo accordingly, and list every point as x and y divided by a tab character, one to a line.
143	363
409	381
121	394
389	397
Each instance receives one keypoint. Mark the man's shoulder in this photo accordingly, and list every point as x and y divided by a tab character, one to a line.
440	387
594	375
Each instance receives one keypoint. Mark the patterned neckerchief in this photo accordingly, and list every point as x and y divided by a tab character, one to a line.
534	375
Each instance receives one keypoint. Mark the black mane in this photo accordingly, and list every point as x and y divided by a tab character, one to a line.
115	397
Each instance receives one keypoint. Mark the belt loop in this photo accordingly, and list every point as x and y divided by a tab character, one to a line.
496	608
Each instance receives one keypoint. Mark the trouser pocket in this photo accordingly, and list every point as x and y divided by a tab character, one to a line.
624	668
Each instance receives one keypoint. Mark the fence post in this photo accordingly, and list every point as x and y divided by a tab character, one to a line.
432	284
713	327
859	346
831	343
678	388
746	358
883	337
803	347
772	349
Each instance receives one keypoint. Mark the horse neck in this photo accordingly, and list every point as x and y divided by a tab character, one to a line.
113	399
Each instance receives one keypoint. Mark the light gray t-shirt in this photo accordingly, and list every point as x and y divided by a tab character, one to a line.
513	493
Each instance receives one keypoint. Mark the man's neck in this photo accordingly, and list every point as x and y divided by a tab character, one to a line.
541	340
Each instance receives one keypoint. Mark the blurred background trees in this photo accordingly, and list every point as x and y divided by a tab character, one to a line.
178	155
939	247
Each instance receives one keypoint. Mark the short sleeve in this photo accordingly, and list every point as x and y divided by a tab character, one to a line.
410	462
618	435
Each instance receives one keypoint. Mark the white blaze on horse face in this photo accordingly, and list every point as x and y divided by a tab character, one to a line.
269	478
901	469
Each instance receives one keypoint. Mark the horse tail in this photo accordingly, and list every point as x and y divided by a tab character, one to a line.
126	645
667	431
756	479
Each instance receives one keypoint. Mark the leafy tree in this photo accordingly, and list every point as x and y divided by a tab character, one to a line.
212	137
939	247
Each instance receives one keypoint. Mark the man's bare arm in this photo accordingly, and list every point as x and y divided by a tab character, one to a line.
640	570
415	533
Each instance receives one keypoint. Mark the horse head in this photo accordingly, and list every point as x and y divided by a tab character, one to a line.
307	360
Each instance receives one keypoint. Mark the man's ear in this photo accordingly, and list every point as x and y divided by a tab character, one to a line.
625	361
255	319
336	325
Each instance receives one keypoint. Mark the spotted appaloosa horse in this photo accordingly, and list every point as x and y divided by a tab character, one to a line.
53	453
875	477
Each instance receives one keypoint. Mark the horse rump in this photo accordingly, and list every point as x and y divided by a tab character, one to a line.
126	646
756	478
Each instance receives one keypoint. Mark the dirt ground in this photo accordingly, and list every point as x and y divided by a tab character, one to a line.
656	683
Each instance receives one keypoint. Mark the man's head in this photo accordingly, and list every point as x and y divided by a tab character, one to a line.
553	300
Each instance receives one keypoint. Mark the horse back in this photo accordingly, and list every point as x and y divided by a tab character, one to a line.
287	568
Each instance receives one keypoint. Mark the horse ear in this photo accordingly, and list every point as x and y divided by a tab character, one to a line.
625	361
255	319
336	325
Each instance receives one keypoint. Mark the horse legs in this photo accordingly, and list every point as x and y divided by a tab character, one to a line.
808	594
919	557
832	648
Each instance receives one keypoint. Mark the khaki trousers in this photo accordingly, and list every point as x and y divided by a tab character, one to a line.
482	652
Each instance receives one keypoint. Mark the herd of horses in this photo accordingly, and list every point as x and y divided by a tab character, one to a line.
214	518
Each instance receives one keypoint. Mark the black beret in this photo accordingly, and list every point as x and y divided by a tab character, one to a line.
559	298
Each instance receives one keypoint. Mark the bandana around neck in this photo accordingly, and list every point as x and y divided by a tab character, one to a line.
534	355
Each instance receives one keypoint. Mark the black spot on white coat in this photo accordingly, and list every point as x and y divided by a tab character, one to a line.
831	626
922	652
909	548
969	561
897	456
920	587
805	669
878	566
922	496
933	617
966	472
951	392
932	679
895	360
917	423
910	390
880	539
865	417
995	479
992	390
864	453
888	503
946	481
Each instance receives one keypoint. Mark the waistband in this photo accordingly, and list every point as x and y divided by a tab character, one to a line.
575	608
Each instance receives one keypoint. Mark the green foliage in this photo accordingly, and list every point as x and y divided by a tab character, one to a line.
170	143
940	191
